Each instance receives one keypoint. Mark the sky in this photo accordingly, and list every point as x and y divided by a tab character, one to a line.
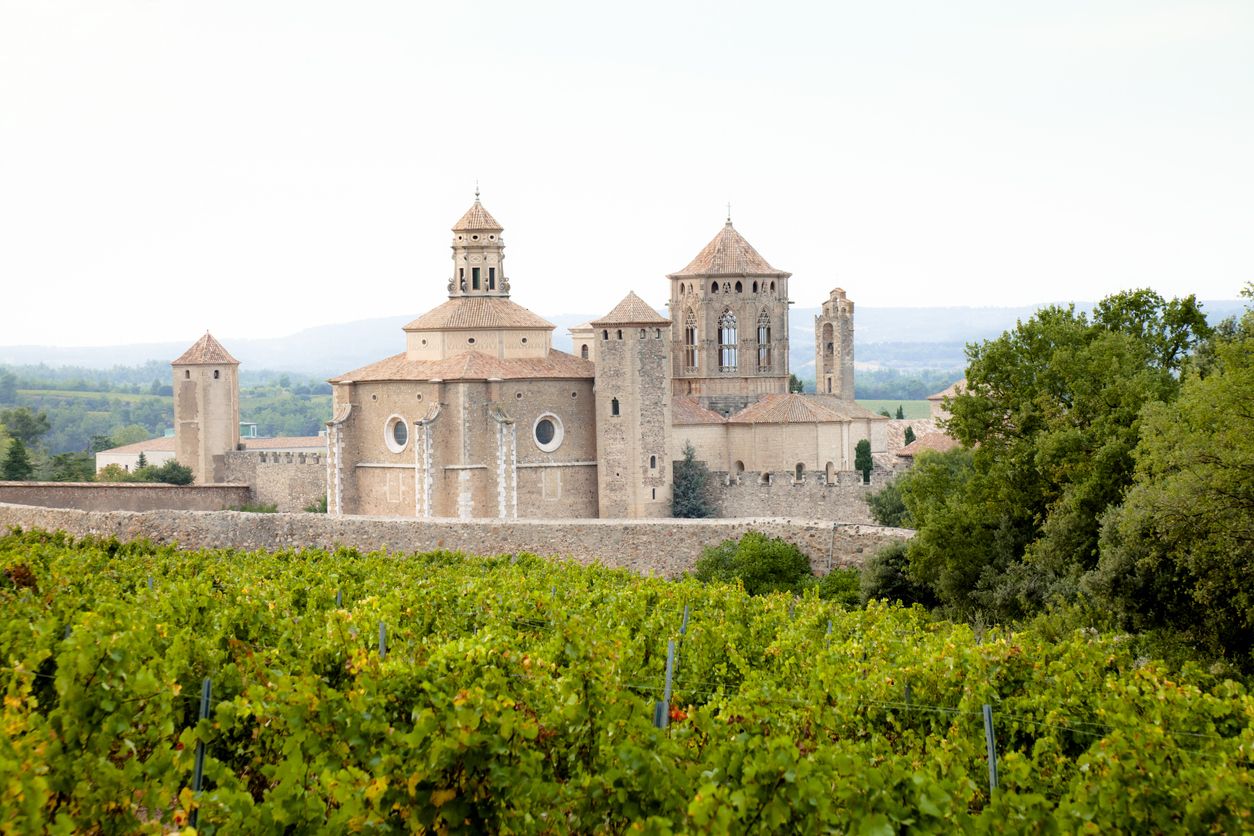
256	168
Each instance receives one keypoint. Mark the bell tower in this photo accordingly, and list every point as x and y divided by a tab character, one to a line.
833	351
478	255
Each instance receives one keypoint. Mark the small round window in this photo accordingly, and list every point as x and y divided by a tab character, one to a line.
396	434
548	432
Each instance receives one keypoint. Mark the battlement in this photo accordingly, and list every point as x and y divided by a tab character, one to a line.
840	496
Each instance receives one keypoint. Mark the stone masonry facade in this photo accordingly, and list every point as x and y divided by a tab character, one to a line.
662	547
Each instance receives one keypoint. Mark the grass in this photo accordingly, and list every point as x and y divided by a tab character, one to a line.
912	409
129	397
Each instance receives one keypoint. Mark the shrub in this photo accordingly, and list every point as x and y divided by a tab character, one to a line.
763	564
887	506
842	586
887	575
318	506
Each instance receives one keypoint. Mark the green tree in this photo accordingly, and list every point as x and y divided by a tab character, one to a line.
24	425
887	507
142	461
690	487
1051	411
130	434
795	384
71	467
901	412
862	461
17	466
1175	556
8	387
763	564
172	473
908	435
886	576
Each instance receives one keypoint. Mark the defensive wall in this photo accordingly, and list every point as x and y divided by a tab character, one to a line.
782	494
125	496
664	547
287	480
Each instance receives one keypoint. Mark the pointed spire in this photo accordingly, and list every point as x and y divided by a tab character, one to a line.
206	351
477	218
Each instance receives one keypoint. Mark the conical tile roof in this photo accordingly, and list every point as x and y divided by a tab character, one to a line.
729	254
475	312
206	351
632	311
477	218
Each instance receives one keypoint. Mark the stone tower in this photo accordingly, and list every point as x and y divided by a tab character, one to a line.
729	325
833	349
206	409
633	399
478	255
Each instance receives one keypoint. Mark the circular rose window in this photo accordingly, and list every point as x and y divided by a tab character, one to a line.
548	432
396	434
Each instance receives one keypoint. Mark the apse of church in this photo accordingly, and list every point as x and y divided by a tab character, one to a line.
479	416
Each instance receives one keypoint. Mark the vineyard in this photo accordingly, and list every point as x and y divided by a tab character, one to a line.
439	692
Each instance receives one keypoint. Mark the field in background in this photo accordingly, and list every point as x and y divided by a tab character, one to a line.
912	409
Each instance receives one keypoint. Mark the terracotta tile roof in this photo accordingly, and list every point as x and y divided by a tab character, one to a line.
934	442
685	410
152	445
206	351
473	365
632	311
846	409
477	218
477	312
786	409
953	389
729	254
286	442
897	430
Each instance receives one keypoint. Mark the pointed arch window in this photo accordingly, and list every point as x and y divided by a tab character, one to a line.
690	341
727	342
764	342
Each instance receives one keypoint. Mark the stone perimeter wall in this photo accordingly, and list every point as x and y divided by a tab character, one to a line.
290	481
125	496
664	547
783	496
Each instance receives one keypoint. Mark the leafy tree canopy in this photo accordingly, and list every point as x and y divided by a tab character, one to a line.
24	425
1051	414
1176	555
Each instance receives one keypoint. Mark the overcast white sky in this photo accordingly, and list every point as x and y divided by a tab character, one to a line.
258	167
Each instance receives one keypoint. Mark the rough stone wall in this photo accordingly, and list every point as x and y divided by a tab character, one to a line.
731	390
125	496
466	467
812	498
290	481
206	418
633	446
664	547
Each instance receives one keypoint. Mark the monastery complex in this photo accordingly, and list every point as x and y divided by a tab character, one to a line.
478	416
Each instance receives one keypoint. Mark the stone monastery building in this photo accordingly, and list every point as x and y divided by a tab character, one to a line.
479	416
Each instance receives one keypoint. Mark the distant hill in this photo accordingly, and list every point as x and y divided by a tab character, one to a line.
903	338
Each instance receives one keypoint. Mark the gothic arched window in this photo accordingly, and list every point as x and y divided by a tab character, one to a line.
690	341
764	342
727	342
